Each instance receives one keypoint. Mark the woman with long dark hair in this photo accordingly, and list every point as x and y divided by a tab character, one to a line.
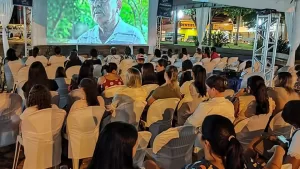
283	91
198	55
11	55
73	60
89	88
206	53
86	71
255	94
217	104
221	148
36	57
148	74
94	57
37	75
39	97
186	74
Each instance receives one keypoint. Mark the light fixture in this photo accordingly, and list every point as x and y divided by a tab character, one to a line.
180	14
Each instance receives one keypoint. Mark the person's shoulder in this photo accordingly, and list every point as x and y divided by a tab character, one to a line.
85	37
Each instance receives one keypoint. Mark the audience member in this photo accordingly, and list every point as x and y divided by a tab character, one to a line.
35	57
140	59
206	53
184	54
214	53
254	100
221	148
94	57
116	146
12	65
216	85
142	52
297	84
127	53
11	56
148	74
60	73
160	71
170	53
176	54
170	89
198	55
86	71
57	58
113	57
170	57
89	88
111	78
73	61
186	74
37	75
196	94
157	55
283	91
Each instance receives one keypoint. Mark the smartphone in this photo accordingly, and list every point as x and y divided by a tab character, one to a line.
283	141
262	147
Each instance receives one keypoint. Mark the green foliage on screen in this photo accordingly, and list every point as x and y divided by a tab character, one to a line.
68	19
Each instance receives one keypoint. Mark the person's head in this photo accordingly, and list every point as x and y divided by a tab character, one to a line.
257	87
89	87
39	96
110	68
213	49
141	51
11	55
94	53
298	76
113	51
60	73
170	53
171	75
176	51
140	59
184	51
285	80
105	12
127	51
73	56
207	50
199	75
186	65
37	72
161	65
148	74
219	142
290	113
248	64
157	53
198	50
86	71
35	51
133	78
216	85
57	50
165	57
116	147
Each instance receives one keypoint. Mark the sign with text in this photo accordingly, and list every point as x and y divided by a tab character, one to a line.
23	3
165	8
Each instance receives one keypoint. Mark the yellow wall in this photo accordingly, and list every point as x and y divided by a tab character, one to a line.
188	32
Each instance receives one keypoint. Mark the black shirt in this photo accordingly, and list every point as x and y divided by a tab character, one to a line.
50	84
95	61
70	63
161	77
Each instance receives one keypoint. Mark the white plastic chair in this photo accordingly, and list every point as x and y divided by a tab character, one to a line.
250	128
62	91
41	138
143	141
279	127
11	70
175	152
55	98
150	87
74	70
97	71
10	109
109	93
160	116
51	71
83	131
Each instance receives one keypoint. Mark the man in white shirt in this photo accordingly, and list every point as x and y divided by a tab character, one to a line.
57	58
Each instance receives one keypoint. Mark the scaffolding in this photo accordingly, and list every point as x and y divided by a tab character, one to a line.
159	31
265	45
27	13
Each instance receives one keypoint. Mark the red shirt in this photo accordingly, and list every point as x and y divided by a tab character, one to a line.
214	55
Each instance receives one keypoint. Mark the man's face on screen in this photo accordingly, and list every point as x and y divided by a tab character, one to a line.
104	10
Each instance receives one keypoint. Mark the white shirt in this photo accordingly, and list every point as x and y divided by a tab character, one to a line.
198	57
57	60
215	106
32	59
294	150
113	59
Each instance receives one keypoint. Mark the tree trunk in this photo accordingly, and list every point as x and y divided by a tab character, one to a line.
237	30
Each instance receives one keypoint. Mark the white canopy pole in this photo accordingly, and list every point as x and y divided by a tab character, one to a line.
6	10
202	15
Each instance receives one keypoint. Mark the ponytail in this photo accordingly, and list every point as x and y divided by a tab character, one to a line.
234	155
172	73
262	100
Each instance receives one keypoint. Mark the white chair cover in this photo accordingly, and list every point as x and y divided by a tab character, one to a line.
55	98
242	66
41	59
279	127
247	76
209	67
150	87
205	61
175	151
62	91
83	131
224	60
75	95
74	70
42	138
10	109
11	70
220	66
109	93
97	71
250	128
160	115
216	60
22	74
143	141
231	60
228	93
51	71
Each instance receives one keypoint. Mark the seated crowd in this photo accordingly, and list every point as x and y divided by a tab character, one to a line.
151	111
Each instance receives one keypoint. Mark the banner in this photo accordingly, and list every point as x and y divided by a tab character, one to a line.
165	8
23	3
